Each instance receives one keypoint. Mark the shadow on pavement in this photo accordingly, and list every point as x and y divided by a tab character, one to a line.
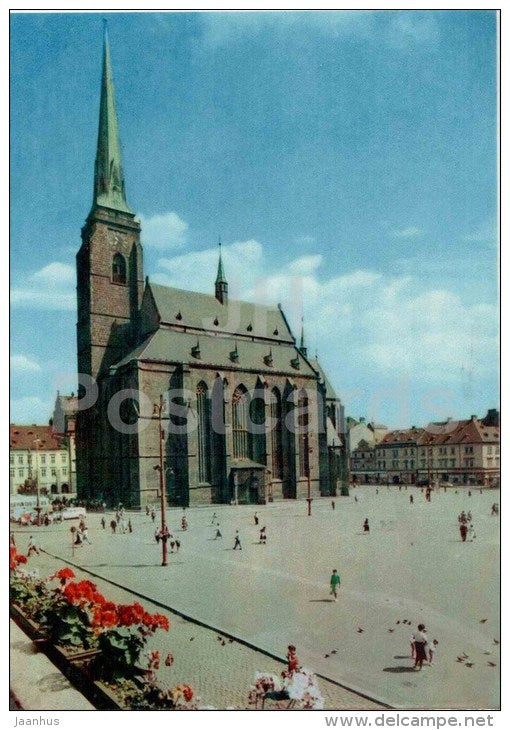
398	670
321	600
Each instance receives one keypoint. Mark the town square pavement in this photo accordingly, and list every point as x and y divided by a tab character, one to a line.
410	568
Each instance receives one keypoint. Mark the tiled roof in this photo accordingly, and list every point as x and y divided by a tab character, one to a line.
169	345
23	437
404	436
471	431
194	310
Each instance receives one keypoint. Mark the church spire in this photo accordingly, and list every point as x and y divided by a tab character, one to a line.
302	346
108	176
221	284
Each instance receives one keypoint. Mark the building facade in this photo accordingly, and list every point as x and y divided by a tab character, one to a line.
37	459
63	422
363	464
209	396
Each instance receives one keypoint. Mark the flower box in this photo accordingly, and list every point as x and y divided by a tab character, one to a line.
30	627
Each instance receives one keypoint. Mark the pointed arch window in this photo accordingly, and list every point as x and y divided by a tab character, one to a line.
119	269
204	433
240	420
276	434
303	428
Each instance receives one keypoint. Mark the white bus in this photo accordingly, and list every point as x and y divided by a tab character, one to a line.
22	507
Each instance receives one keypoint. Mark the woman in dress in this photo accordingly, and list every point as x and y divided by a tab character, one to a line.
420	646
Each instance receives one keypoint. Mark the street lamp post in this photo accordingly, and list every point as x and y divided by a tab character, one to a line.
37	441
308	483
158	410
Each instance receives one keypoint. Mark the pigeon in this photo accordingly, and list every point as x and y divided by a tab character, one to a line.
390	631
491	664
334	651
398	622
468	664
222	643
192	638
326	656
483	620
360	631
460	659
230	641
487	652
495	641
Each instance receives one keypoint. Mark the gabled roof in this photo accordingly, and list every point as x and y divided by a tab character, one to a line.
185	310
24	437
470	431
174	346
403	436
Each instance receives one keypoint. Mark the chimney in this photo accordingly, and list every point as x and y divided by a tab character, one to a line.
473	418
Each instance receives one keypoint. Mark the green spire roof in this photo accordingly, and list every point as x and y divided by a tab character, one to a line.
220	276
108	177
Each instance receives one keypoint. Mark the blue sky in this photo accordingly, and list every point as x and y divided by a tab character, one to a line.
347	159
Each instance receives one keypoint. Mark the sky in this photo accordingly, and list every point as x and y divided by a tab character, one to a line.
347	159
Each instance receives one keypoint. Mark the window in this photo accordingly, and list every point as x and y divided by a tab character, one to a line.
53	472
394	464
43	458
276	434
489	449
52	457
20	459
119	269
452	450
423	463
64	471
395	452
21	472
204	434
13	472
304	446
240	404
452	463
64	457
43	471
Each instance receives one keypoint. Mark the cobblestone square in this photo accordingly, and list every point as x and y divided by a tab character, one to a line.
411	567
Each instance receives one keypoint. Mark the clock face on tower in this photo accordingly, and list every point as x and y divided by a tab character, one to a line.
116	240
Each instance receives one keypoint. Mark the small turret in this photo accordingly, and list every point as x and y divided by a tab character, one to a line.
221	284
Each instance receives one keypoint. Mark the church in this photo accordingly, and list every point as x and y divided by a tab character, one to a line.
209	396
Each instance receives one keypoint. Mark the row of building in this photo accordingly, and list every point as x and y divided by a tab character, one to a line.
452	452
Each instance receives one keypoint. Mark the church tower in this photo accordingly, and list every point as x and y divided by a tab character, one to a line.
109	262
109	288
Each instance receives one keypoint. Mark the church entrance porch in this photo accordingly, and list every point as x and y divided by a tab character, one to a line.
247	485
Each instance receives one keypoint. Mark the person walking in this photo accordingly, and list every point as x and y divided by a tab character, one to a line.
130	526
411	499
334	583
113	525
32	547
463	531
420	646
85	536
153	515
256	518
237	541
262	538
432	649
214	519
332	504
103	522
218	532
177	545
184	523
366	526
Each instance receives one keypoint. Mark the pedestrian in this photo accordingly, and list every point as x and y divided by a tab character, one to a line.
262	538
157	535
471	532
495	509
469	493
463	531
172	543
130	526
377	491
32	547
147	510
420	646
81	526
256	518
411	499
332	504
292	660
85	536
218	533
355	498
214	518
432	649
103	522
462	518
334	582
366	526
113	525
78	539
237	541
12	541
184	523
153	515
177	545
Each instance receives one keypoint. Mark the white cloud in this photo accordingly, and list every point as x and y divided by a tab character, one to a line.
23	364
407	232
370	322
55	274
164	231
30	409
49	288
